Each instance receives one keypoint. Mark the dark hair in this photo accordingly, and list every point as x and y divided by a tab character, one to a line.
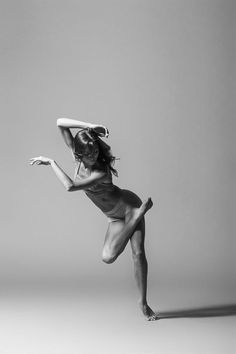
87	138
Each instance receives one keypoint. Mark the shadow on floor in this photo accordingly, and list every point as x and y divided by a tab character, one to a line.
214	311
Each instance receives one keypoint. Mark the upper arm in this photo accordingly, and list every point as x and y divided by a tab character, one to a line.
90	181
67	136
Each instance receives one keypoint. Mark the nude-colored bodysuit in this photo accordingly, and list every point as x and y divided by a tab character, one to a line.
107	197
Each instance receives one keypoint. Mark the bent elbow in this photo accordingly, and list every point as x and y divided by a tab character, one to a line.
59	121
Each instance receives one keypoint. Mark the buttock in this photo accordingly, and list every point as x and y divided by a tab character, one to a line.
131	199
127	202
118	212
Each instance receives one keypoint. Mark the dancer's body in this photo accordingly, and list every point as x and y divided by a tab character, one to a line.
124	209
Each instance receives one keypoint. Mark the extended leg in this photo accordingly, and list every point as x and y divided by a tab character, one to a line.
141	269
140	261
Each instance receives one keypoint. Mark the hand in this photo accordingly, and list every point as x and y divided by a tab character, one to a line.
101	130
41	160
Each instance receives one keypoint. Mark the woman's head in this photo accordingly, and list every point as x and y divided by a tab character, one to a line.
89	148
85	147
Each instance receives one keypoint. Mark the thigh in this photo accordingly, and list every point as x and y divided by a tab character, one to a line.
113	231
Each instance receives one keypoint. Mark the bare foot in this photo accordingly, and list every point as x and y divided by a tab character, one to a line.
147	204
149	313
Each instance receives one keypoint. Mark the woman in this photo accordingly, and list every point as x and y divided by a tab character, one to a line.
124	209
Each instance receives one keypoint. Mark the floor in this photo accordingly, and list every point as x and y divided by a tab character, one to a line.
89	322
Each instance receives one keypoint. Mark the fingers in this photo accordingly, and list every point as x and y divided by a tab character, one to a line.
41	160
32	161
106	132
102	131
35	160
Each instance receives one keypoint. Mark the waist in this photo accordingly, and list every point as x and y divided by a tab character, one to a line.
101	189
106	200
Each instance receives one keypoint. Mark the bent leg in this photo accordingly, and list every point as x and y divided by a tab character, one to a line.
119	232
109	254
117	237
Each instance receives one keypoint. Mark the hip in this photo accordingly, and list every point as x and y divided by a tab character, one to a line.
126	202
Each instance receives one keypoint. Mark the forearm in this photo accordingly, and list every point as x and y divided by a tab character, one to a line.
72	123
62	176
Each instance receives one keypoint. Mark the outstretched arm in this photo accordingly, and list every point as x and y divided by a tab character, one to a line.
67	182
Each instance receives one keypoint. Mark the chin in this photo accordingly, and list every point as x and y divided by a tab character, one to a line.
90	163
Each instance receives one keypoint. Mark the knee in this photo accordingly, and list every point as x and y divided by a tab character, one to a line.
108	257
139	256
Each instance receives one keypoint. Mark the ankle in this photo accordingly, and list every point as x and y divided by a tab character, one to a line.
143	303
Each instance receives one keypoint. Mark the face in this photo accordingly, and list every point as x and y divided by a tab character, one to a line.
90	155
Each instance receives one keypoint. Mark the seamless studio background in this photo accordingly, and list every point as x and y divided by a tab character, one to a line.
160	75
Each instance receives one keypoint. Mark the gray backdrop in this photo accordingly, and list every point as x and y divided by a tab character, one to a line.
160	75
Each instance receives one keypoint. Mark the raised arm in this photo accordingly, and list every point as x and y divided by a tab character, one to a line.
65	124
72	123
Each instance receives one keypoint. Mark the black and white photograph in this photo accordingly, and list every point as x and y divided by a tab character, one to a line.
118	164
